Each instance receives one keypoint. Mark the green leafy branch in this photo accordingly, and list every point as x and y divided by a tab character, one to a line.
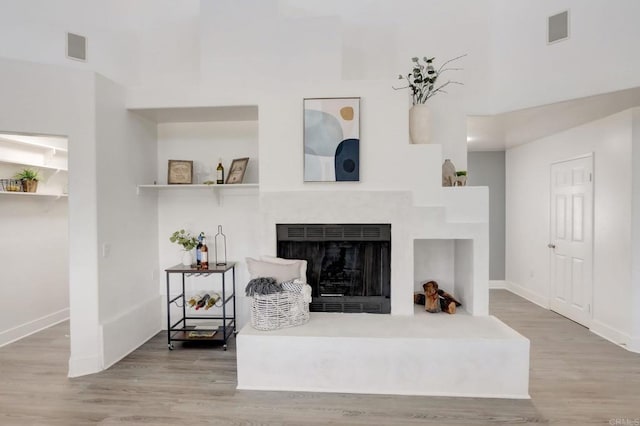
423	79
185	239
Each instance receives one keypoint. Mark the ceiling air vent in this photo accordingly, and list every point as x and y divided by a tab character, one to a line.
76	47
558	27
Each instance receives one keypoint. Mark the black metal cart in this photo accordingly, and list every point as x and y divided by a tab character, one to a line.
183	330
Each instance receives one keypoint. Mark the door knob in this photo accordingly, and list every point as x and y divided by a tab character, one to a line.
551	245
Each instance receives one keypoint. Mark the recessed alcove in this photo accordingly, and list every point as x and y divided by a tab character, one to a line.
449	262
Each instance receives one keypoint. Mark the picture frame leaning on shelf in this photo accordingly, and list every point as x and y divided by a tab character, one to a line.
237	170
180	172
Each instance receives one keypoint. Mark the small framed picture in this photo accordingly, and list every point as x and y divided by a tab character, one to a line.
236	172
180	172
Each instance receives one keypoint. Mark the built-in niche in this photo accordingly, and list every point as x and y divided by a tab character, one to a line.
449	262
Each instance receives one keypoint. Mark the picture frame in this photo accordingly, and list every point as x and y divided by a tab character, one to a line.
237	170
180	172
331	139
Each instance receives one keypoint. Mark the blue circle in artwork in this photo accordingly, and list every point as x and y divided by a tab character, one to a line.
349	165
347	160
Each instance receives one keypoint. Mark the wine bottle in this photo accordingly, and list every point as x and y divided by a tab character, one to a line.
212	301
198	248
193	300
202	301
204	254
220	173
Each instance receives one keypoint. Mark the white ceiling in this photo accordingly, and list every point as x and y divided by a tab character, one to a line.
506	130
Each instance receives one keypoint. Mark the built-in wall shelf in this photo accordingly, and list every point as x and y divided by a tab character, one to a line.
37	165
201	186
46	152
215	188
53	144
32	194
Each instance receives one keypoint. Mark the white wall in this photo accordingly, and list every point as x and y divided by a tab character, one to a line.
434	260
527	221
198	210
634	343
35	30
127	225
35	264
387	160
330	43
205	144
596	58
47	99
487	169
129	42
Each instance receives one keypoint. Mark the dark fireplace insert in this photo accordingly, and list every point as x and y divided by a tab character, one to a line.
348	266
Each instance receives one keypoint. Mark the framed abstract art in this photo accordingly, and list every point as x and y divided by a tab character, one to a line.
331	139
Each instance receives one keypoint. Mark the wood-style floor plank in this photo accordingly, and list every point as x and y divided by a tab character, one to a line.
576	378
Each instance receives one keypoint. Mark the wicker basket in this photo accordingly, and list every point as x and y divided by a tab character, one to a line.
11	185
278	310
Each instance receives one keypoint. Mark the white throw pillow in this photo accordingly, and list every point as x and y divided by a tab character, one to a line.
302	264
281	272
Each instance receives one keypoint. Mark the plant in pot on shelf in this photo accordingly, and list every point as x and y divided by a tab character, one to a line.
423	84
188	243
461	178
29	178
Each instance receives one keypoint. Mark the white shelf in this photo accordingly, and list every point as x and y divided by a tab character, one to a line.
34	164
53	144
214	188
202	186
42	152
32	194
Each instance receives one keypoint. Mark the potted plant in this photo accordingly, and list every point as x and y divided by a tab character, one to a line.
188	243
423	84
29	178
461	178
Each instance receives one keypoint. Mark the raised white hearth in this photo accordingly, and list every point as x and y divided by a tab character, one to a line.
441	235
424	354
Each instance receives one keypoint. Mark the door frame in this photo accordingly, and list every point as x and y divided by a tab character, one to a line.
589	155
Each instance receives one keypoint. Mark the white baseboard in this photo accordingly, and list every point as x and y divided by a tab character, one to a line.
129	330
528	294
634	345
497	285
83	366
31	327
611	334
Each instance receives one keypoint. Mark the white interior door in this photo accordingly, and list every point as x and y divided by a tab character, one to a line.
571	242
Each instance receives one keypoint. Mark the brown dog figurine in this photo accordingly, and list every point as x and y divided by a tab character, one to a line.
438	300
432	299
448	302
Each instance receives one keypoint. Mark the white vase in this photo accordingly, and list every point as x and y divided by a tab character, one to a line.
448	173
187	260
420	124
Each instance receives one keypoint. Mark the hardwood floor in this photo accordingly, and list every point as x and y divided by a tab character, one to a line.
576	378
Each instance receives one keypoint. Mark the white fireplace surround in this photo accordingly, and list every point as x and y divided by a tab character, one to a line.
409	223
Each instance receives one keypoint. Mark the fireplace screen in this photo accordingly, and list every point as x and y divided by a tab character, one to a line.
348	269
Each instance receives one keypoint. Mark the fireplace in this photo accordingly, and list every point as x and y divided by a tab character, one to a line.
348	266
